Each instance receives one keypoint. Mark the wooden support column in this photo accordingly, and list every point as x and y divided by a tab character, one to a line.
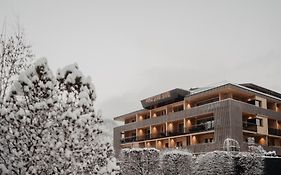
184	125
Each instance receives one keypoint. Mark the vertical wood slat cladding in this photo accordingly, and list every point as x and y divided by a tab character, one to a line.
236	125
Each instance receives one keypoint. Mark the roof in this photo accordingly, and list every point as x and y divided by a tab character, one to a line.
164	98
254	89
261	89
177	94
122	117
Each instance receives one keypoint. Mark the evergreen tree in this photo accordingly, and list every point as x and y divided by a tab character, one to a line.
26	125
49	125
81	143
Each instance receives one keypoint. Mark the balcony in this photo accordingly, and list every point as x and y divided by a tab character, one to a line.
144	137
202	127
207	126
250	126
273	131
129	139
158	135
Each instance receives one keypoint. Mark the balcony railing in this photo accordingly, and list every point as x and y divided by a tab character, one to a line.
274	131
201	127
207	126
129	139
250	126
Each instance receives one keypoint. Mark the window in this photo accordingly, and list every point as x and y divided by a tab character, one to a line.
259	122
257	103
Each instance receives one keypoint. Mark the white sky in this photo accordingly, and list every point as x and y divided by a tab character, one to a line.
136	49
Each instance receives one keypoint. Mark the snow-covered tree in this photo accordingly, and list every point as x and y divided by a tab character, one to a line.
27	118
80	142
15	56
213	163
49	125
176	162
140	161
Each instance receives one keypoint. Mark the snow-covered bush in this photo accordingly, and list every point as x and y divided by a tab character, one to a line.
231	145
49	125
176	162
257	149
140	161
270	154
248	164
213	163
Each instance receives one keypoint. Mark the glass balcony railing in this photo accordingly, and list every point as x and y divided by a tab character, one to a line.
250	126
206	126
273	131
201	127
129	139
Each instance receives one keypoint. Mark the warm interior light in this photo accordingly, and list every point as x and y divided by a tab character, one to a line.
188	123
159	143
170	127
262	141
148	144
194	139
154	130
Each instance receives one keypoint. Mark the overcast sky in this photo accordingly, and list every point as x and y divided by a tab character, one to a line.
136	49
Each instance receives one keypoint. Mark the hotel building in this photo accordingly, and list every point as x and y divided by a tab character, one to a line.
200	119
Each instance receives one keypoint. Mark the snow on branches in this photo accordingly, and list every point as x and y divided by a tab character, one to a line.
217	162
176	162
50	125
140	161
30	112
15	56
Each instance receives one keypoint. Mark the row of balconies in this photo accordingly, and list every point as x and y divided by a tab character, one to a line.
253	127
207	126
179	106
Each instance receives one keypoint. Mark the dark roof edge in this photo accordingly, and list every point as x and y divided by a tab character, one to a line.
238	86
261	89
121	117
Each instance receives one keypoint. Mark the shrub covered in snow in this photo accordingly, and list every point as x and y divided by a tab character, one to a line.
257	149
49	125
140	161
231	145
246	163
176	162
221	162
213	163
